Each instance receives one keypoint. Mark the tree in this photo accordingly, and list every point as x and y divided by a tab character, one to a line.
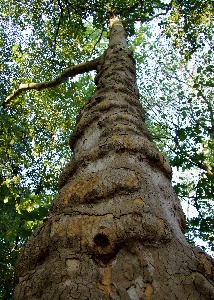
35	126
115	229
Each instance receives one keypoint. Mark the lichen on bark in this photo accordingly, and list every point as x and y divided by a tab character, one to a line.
116	228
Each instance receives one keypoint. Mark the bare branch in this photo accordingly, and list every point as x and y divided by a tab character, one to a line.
69	72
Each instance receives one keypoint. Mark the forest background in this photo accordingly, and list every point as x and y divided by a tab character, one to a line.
173	48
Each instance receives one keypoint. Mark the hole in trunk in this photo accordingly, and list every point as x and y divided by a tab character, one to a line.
101	240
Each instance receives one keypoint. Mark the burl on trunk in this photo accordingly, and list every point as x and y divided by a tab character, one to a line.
115	229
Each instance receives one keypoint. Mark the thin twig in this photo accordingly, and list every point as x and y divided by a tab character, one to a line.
56	35
98	40
147	19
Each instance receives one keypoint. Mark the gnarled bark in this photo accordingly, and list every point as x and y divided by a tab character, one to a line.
115	229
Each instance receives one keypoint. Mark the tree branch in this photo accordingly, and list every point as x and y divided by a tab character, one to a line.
69	72
198	164
98	40
147	19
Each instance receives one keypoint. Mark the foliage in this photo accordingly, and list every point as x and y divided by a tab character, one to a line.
38	40
178	96
190	25
34	147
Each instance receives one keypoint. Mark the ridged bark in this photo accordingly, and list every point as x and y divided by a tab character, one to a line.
115	229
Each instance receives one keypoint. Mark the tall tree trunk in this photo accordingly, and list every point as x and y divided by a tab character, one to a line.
115	229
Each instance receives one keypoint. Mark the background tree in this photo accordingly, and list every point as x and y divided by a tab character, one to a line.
35	126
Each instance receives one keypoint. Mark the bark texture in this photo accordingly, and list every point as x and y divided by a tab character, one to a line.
115	229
